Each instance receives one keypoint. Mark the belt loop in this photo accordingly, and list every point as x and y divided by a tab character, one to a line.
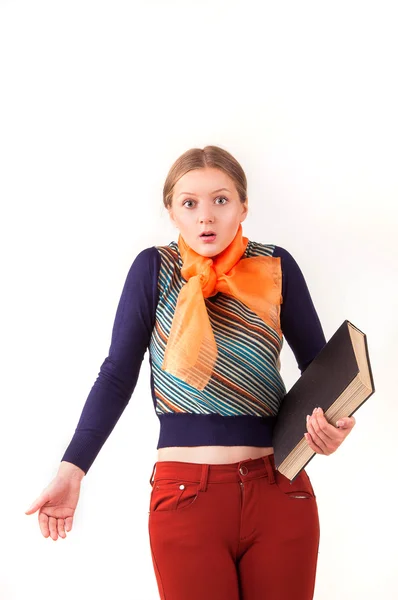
204	477
150	479
270	470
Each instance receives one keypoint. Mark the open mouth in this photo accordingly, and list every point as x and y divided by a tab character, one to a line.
208	237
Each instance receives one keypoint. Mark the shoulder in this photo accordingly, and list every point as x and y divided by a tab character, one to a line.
292	275
290	268
287	258
148	258
259	249
169	257
262	249
144	267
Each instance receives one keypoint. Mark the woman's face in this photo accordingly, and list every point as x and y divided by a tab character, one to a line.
206	199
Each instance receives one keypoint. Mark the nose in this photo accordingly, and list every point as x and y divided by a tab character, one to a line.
206	216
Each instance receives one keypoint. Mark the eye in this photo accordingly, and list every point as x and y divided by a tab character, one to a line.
186	202
223	197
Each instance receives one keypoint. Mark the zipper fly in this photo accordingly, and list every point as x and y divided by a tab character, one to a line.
242	491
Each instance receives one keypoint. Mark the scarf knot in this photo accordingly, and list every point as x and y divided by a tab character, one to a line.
191	350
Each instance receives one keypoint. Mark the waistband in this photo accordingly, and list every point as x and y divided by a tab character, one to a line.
192	429
204	473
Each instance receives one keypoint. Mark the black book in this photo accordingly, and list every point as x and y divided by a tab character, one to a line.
339	380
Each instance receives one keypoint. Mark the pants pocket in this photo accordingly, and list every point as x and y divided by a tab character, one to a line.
300	489
170	495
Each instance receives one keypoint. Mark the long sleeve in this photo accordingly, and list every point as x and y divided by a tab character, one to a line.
131	333
299	320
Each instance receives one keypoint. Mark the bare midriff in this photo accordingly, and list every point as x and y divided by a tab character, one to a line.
212	455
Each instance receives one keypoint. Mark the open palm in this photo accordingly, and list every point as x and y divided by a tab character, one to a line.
57	504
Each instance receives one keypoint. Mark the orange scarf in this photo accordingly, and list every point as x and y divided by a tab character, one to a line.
191	350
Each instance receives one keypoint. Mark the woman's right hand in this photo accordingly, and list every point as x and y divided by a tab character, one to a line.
57	502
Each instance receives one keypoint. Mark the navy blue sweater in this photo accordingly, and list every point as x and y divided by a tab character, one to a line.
131	334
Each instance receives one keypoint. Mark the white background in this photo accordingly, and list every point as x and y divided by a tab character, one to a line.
97	100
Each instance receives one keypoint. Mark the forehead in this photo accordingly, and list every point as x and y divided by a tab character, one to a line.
203	181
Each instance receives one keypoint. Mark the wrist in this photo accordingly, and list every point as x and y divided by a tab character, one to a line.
71	471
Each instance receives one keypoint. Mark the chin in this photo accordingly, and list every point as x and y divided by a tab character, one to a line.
209	252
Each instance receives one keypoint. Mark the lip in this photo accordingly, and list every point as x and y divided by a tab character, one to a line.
210	231
208	239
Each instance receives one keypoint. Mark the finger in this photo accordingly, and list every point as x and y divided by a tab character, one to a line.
317	441
326	432
38	503
68	523
326	444
61	528
35	506
43	524
52	523
346	423
317	435
312	444
323	427
32	508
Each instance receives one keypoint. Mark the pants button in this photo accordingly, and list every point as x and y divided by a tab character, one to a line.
243	470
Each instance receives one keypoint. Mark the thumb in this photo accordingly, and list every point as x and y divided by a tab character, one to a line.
36	504
341	423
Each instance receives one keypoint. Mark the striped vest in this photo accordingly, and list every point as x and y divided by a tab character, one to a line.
240	403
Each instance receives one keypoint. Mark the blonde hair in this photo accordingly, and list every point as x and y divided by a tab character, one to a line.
198	158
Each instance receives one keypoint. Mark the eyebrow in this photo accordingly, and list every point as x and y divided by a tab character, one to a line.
192	194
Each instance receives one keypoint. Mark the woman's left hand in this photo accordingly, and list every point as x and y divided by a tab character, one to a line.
323	437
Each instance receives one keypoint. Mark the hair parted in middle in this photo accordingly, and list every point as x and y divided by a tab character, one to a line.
198	158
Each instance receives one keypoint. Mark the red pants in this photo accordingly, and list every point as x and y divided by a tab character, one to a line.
237	531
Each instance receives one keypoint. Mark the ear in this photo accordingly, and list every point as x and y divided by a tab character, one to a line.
171	215
245	210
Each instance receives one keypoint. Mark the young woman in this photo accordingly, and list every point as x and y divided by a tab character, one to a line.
212	308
